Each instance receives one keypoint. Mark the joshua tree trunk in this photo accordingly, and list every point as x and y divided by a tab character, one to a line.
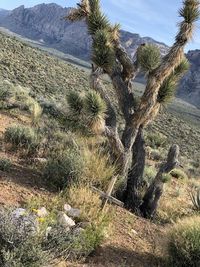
132	194
155	190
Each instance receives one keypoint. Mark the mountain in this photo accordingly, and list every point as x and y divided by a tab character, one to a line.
3	13
189	88
45	23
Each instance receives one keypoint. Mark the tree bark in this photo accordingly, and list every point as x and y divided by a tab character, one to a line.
155	190
132	194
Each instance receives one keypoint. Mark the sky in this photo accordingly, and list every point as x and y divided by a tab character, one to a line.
153	18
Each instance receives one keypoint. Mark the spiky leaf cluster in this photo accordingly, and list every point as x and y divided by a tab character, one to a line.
190	11
182	68
149	57
75	102
96	19
80	12
91	108
94	105
168	88
103	52
95	109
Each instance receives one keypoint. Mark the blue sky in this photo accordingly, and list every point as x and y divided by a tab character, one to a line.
155	18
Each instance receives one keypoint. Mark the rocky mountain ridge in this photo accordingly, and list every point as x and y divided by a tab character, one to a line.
45	23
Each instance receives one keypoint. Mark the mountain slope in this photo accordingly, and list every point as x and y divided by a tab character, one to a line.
50	79
190	84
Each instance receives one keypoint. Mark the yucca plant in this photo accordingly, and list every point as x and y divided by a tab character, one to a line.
168	89
75	102
195	198
149	57
95	109
109	57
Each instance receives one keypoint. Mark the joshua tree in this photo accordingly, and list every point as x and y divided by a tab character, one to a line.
163	74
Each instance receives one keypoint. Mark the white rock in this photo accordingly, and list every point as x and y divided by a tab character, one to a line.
48	230
74	213
67	207
42	212
17	213
134	232
21	218
66	221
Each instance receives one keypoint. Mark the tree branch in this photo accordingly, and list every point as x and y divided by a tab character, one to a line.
167	66
155	190
98	86
117	146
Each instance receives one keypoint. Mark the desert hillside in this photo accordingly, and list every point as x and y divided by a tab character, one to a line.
50	160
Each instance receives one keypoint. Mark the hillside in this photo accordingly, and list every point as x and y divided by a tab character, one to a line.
33	89
50	78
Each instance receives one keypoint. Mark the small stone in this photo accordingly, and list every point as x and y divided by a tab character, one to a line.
42	212
84	225
67	207
134	232
48	230
40	160
17	213
66	221
74	213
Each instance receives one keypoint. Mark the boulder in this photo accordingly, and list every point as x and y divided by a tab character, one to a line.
65	221
74	213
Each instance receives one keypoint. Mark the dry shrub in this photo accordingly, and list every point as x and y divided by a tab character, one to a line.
83	198
22	137
184	246
179	174
175	203
63	168
98	169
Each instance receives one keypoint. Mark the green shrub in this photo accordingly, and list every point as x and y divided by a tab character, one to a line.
155	140
184	246
155	155
149	174
18	245
60	141
195	198
22	137
179	174
5	165
6	90
166	178
89	239
63	168
74	244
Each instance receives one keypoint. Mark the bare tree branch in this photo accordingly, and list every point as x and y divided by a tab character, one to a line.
155	190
